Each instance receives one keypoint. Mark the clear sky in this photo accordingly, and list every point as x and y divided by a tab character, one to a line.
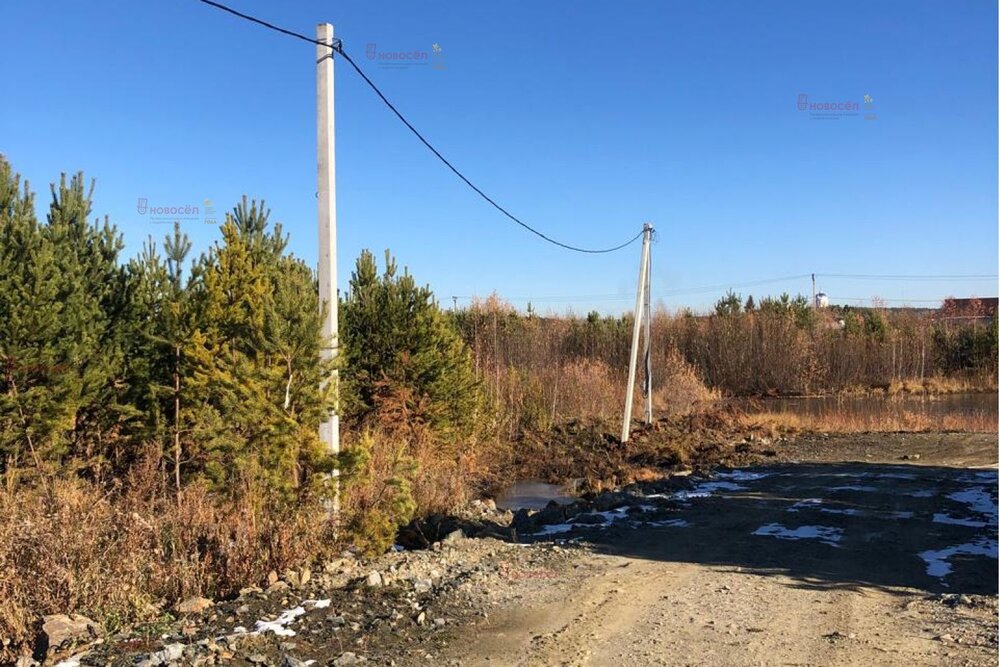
584	118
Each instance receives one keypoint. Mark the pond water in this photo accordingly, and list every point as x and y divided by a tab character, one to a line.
966	405
533	494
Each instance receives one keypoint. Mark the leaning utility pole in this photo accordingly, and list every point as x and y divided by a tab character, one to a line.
647	234
326	193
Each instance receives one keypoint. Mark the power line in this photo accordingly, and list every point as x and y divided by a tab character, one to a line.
339	48
885	276
714	288
878	298
271	26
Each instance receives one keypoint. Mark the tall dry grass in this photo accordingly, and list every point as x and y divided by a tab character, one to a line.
540	372
125	554
904	421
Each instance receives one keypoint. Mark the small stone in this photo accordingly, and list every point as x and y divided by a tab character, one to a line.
374	580
421	618
61	631
946	638
169	653
292	577
346	658
257	658
272	578
193	605
305	574
439	622
422	585
277	587
455	536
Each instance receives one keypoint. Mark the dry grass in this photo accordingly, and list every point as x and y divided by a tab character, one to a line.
124	555
905	421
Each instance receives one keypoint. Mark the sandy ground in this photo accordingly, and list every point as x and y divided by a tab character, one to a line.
716	591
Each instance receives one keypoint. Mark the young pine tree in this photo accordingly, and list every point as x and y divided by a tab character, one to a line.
253	367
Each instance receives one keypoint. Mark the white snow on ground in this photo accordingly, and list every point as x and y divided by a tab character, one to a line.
554	529
277	626
816	504
978	500
937	560
825	534
743	475
610	517
958	521
712	487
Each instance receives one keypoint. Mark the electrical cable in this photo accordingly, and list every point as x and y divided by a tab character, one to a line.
339	48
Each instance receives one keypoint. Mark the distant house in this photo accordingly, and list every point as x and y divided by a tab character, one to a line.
968	310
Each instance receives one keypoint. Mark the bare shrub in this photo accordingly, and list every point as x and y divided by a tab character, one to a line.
121	555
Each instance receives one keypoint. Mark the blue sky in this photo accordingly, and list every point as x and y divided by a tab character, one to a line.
583	118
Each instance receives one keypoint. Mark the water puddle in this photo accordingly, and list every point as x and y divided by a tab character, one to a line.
533	494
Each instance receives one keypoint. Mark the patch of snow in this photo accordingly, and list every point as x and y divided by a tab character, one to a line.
688	495
318	604
277	626
958	521
888	475
805	503
743	475
825	534
978	500
69	662
937	560
554	529
815	504
711	487
617	514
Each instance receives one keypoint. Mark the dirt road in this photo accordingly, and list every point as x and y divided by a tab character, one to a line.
820	562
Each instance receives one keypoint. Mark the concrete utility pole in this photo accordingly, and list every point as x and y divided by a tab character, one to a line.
329	430
814	290
647	360
647	234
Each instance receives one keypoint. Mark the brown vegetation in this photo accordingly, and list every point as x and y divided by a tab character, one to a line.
125	555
